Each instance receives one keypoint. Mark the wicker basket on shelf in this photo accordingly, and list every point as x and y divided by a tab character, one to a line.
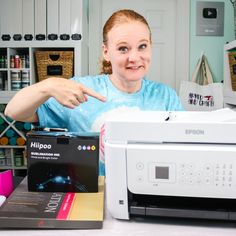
54	63
232	65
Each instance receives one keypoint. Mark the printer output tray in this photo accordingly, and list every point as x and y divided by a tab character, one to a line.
184	207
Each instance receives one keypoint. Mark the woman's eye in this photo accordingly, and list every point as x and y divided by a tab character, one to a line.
142	46
123	49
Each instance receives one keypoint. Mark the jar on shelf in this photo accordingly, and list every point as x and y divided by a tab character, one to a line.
25	80
15	80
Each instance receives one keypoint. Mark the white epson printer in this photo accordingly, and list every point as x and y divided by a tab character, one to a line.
173	164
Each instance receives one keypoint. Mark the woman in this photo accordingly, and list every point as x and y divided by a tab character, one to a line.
82	104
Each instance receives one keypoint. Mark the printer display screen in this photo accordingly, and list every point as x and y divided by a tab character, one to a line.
162	172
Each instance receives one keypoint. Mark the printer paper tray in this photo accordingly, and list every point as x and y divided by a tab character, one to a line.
184	207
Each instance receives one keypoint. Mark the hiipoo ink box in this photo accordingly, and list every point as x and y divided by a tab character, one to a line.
62	161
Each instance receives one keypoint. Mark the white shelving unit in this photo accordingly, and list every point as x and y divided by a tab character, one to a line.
7	73
10	159
229	94
12	156
30	26
29	48
80	68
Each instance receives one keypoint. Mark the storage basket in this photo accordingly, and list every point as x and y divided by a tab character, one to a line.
54	63
232	65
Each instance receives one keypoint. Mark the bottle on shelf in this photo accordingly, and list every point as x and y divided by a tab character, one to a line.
2	157
22	59
17	61
5	62
2	61
12	61
27	64
18	158
3	80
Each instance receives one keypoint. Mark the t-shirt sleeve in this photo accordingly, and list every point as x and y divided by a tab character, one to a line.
175	103
166	96
53	114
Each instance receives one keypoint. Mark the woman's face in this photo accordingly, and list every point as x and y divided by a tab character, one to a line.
128	48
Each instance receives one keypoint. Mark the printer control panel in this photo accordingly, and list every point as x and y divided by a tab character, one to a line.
182	170
217	174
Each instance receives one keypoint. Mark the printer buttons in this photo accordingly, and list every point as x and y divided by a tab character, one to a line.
190	166
208	168
182	165
207	181
139	179
190	181
139	166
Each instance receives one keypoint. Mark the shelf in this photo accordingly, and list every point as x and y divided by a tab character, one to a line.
13	156
11	146
14	79
78	24
16	73
230	45
229	94
13	167
5	96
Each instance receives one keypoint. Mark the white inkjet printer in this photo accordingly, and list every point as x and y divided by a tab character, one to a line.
171	164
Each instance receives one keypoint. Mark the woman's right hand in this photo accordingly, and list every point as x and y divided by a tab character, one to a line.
23	105
69	93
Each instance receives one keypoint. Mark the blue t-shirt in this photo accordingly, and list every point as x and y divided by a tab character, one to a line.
91	115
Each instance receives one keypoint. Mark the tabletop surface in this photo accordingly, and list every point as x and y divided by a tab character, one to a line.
141	226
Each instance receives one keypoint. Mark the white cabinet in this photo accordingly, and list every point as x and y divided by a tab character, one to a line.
32	20
27	26
229	93
15	70
12	146
13	79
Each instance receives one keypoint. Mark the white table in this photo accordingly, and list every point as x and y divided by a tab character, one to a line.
139	226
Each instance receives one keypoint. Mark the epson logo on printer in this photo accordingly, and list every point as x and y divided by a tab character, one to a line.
194	132
40	145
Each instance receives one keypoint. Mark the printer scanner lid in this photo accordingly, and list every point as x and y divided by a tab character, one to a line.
176	127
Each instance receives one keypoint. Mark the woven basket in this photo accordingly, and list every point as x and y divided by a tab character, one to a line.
232	65
54	63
